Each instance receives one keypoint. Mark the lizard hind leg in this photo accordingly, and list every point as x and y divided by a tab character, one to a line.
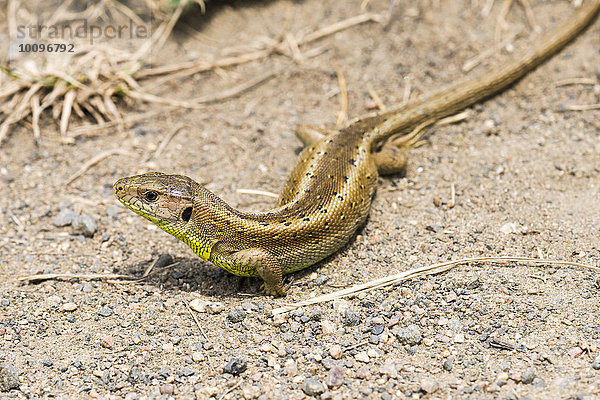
390	160
311	134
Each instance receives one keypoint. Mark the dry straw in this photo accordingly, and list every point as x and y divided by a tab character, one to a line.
97	80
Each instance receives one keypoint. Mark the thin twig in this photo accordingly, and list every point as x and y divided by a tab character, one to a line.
406	91
45	277
108	277
376	99
66	111
231	389
148	274
582	107
193	67
258	192
530	16
163	144
95	160
195	319
213	98
89	130
343	113
576	81
477	59
417	273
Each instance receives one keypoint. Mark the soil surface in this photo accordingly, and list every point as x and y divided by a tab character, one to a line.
526	176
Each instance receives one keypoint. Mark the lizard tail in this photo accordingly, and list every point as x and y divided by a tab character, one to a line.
454	98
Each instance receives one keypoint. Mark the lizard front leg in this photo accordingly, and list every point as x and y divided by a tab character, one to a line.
253	259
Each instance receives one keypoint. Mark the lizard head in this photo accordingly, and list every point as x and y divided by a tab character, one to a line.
165	200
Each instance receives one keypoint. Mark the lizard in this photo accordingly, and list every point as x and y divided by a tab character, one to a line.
328	194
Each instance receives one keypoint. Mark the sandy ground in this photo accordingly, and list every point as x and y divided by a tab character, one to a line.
526	175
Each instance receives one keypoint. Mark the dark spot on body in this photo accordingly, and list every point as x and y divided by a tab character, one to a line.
352	161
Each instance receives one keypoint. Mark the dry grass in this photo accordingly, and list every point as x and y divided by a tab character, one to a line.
96	81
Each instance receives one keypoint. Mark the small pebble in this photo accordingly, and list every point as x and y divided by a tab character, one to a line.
108	342
508	228
235	366
336	351
113	210
167	388
84	225
575	352
448	364
341	305
363	373
68	307
63	218
9	377
335	377
362	357
377	329
327	327
164	260
105	312
351	318
313	387
429	385
389	369
236	315
433	228
215	308
528	376
290	367
596	363
187	372
411	335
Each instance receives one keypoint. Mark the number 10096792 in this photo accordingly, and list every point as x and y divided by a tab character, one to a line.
46	48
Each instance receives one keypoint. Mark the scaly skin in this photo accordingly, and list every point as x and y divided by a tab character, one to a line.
329	192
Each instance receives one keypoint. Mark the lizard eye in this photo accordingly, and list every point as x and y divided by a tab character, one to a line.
151	196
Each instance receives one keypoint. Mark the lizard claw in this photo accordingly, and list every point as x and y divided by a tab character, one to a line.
269	290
